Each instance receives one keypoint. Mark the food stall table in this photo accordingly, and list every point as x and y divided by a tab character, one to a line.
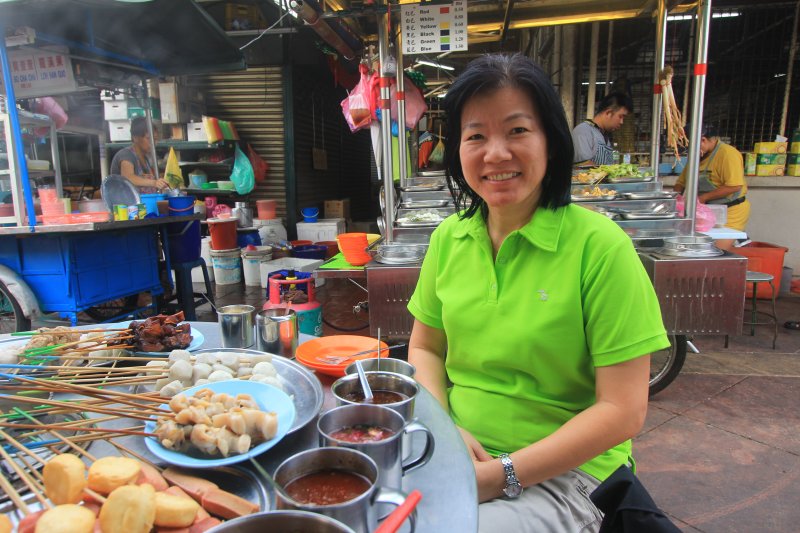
71	267
447	482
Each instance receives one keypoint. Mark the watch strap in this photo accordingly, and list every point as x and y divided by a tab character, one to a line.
513	486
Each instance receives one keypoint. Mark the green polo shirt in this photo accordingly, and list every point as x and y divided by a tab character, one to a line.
566	293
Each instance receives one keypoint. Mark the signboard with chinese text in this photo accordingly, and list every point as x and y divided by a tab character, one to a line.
40	72
433	28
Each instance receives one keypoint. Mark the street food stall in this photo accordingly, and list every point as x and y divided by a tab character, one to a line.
62	262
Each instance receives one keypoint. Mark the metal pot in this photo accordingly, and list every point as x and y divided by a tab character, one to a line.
690	246
283	521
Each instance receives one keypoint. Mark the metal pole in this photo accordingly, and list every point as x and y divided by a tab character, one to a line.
593	69
655	131
789	69
16	135
402	138
687	85
386	126
700	70
556	73
149	114
608	56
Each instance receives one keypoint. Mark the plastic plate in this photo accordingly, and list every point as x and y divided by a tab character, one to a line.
266	396
314	352
197	342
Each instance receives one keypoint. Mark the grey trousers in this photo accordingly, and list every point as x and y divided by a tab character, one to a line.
558	505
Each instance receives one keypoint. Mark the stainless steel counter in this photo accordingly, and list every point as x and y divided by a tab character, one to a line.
95	226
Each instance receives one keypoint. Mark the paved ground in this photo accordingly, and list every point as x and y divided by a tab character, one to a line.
720	450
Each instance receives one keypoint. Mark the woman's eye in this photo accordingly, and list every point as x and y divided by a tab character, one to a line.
519	129
474	137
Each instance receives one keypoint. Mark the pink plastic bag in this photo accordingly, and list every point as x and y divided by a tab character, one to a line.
704	217
358	106
415	103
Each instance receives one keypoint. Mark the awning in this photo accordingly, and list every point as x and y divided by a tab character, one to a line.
155	37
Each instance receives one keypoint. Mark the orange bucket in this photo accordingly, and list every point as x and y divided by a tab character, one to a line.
266	209
223	233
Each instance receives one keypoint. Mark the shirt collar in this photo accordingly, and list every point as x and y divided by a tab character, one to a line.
543	230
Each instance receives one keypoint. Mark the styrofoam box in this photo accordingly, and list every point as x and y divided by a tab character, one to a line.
115	109
286	263
195	131
119	130
325	229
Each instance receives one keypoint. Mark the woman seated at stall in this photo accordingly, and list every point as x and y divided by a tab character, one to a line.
534	318
134	161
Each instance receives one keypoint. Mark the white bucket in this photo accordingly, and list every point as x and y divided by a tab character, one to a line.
227	266
251	264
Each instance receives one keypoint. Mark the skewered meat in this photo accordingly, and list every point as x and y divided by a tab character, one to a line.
157	334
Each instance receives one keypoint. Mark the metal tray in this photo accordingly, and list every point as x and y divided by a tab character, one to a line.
647	216
420	204
649	195
581	198
424	224
400	254
300	384
422	188
628	179
431	173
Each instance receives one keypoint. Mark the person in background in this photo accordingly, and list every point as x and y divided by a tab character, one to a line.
134	161
534	318
591	137
720	180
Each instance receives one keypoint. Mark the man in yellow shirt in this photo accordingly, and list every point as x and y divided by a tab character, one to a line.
720	181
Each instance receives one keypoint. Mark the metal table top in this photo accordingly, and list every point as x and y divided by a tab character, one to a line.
447	482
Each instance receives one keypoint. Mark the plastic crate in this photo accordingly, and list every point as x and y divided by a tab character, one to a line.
767	258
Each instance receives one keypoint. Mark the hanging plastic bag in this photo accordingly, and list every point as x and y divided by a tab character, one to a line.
704	217
358	106
173	174
415	103
242	174
260	167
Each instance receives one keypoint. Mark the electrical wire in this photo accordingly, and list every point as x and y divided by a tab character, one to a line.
334	326
260	35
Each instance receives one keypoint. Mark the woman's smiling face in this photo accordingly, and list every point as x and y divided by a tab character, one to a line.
503	149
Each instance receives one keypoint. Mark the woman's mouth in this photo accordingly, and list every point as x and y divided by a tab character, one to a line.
502	177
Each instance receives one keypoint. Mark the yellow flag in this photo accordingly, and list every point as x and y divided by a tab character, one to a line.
173	174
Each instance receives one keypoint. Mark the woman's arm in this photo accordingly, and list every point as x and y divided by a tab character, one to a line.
617	416
426	351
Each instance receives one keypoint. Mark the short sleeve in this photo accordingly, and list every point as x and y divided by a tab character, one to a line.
425	304
622	316
583	142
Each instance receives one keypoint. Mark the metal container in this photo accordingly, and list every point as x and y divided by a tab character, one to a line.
361	512
699	296
283	521
385	381
236	325
243	214
387	453
689	246
276	331
384	364
390	289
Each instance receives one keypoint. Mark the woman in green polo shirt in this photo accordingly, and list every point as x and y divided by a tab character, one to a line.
534	317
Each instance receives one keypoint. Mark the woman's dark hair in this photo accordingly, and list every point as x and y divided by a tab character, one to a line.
485	75
138	127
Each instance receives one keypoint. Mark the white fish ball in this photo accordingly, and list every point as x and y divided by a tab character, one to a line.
157	363
179	355
161	383
229	359
265	368
264	357
171	389
201	371
219	375
201	382
9	357
244	372
181	370
208	358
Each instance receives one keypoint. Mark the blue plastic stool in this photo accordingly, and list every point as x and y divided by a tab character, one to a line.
185	290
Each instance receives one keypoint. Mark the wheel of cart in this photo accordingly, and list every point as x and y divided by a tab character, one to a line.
12	317
665	365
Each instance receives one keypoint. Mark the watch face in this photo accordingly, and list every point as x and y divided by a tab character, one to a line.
513	491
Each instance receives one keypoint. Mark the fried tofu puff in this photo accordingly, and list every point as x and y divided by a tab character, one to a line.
64	479
108	473
129	509
67	518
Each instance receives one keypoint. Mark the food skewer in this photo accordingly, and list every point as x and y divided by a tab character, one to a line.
51	427
14	495
23	475
64	332
77	407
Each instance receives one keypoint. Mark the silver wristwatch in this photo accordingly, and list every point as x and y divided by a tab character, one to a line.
513	487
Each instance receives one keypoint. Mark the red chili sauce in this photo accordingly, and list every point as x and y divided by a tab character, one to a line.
327	487
378	396
362	433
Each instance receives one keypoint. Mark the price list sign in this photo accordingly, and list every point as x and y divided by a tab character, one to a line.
429	28
41	72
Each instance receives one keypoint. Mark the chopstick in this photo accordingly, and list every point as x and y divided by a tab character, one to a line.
338	359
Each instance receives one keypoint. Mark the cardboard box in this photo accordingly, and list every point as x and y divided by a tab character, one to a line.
178	132
770	159
793	170
196	131
243	17
324	229
337	208
750	164
770	170
793	159
119	130
115	109
795	136
771	148
135	110
794	148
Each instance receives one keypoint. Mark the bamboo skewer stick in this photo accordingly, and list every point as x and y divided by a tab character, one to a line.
51	427
65	332
72	407
54	433
23	475
142	458
14	495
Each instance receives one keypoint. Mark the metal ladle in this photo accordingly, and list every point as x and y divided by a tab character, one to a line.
362	377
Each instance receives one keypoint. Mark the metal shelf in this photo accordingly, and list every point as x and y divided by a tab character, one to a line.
215	192
207	165
178	145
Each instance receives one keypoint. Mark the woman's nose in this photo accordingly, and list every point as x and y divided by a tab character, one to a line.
496	150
